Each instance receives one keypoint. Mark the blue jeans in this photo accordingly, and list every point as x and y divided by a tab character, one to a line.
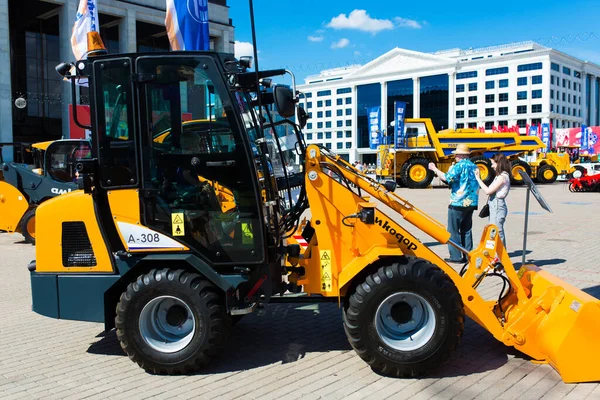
460	223
498	213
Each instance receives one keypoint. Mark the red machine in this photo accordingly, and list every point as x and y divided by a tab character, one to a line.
585	183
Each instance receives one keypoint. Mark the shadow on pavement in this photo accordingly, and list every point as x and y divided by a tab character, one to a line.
541	263
593	291
518	253
286	333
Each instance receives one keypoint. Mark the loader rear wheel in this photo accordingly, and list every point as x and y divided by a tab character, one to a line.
547	174
172	321
486	172
28	226
405	319
516	166
417	175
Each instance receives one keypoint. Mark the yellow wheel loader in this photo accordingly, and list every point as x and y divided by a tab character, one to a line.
159	260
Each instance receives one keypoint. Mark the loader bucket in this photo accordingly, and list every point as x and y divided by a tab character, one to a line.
563	326
12	207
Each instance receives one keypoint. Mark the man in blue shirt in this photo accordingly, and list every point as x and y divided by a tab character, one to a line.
463	200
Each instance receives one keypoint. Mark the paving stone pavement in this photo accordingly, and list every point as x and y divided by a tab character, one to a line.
298	350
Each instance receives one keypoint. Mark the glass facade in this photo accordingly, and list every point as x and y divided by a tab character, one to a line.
367	96
401	90
434	100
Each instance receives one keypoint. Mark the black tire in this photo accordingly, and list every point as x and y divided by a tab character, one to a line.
409	276
547	174
486	172
401	181
417	174
205	308
515	178
579	171
28	226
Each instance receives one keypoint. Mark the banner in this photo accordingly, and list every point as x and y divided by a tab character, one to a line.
546	137
187	24
374	118
585	142
86	20
533	131
577	137
400	111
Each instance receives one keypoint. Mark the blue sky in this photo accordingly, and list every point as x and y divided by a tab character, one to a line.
308	36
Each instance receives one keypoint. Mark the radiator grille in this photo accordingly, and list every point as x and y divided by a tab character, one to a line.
76	247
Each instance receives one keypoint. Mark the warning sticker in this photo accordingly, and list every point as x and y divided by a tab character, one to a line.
177	224
326	270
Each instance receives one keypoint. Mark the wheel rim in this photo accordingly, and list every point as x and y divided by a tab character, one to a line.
167	324
548	174
515	172
577	173
31	227
417	173
483	171
405	321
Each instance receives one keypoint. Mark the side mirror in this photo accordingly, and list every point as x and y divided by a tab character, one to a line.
390	186
284	101
302	117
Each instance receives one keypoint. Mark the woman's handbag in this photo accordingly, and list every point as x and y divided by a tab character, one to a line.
485	210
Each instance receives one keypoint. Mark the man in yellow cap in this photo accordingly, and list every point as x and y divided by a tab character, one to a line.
463	200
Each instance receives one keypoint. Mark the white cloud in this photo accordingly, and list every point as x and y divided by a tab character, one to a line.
316	38
407	23
356	53
360	20
340	44
243	49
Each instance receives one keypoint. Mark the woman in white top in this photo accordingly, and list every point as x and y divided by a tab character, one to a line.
497	191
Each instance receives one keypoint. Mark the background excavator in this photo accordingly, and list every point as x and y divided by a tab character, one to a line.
143	250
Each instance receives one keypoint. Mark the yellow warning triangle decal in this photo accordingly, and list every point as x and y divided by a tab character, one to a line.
325	256
177	219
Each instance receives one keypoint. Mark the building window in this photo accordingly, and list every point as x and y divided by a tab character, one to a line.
319	104
503	123
552	79
339	102
569	97
400	90
564	109
328	114
309	104
551	107
320	135
522	123
327	135
490	98
344	90
564	96
577	74
551	93
324	93
522	95
503	111
472	99
503	83
566	71
309	125
348	134
472	113
536	108
496	71
433	98
460	114
465	75
328	145
472	86
522	81
555	67
340	145
536	79
460	88
309	136
503	97
319	114
460	126
473	125
348	145
327	103
348	100
348	122
319	125
339	124
521	109
348	111
339	113
529	67
460	101
489	84
328	124
564	83
536	121
536	94
489	125
308	95
339	134
489	112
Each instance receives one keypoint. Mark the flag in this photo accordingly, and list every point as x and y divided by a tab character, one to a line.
400	111
374	118
545	129
86	20
187	24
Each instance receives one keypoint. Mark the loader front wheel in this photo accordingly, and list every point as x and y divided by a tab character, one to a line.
405	319
172	321
28	226
417	175
547	174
